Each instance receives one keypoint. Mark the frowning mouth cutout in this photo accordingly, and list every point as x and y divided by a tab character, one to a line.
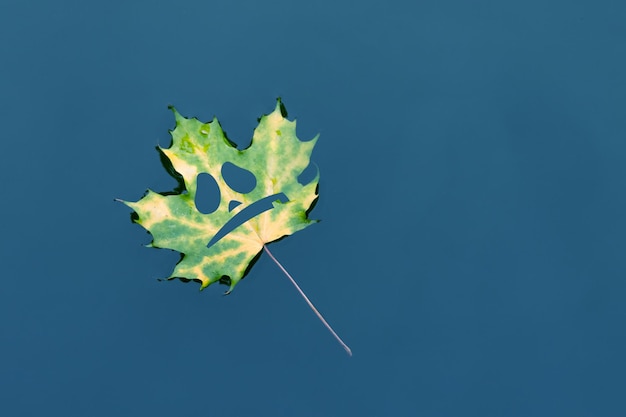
247	213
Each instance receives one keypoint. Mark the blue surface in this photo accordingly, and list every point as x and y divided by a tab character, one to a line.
473	198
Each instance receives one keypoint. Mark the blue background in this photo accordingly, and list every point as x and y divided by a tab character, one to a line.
473	198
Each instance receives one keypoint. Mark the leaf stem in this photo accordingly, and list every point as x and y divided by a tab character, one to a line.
317	313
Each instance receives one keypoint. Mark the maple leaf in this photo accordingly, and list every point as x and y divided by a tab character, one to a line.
211	252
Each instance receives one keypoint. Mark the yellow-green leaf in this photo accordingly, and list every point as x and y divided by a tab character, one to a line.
276	157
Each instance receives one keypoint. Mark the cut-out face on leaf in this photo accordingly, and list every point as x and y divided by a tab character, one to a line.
219	242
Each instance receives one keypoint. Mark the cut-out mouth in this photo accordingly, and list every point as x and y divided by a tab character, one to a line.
246	214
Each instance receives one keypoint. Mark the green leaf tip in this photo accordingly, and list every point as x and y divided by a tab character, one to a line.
276	157
281	107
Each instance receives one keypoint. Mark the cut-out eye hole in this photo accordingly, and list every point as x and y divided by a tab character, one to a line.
237	178
207	194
